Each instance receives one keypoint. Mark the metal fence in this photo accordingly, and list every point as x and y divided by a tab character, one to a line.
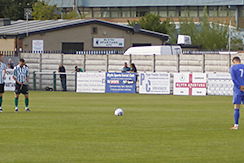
50	81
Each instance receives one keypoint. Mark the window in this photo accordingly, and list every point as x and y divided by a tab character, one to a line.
223	12
94	30
154	10
172	12
87	12
97	13
133	12
141	11
202	11
105	13
232	12
163	12
193	11
125	12
184	12
242	11
213	11
115	12
72	47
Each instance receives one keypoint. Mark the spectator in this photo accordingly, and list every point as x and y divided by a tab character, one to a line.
61	69
133	68
77	69
125	68
10	64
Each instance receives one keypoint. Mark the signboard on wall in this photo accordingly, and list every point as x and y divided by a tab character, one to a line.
120	83
90	82
37	45
220	84
154	83
190	84
108	42
9	81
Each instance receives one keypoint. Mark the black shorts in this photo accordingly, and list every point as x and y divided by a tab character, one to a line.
21	89
2	88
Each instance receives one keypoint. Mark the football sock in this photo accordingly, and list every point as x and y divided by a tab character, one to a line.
236	116
26	102
1	101
16	101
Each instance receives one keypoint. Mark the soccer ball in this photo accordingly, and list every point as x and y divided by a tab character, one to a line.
118	112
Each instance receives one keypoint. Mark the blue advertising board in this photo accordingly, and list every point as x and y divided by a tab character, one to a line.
120	82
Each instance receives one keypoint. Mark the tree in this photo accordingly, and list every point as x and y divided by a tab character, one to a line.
188	27
153	22
72	15
43	11
207	35
14	9
236	44
212	36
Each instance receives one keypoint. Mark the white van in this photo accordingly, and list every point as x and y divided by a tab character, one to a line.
157	50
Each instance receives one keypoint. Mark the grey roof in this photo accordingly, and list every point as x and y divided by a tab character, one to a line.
134	3
19	28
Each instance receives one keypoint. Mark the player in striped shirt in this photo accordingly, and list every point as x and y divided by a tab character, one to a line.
21	76
2	77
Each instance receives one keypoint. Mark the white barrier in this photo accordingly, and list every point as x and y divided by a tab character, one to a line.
196	84
154	83
190	84
220	84
91	82
9	81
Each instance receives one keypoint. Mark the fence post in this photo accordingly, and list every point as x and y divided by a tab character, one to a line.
54	81
130	58
107	62
34	80
203	63
154	63
62	59
40	70
75	81
229	60
178	62
84	63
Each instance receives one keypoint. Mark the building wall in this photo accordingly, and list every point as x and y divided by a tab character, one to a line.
53	39
7	44
215	13
170	11
223	20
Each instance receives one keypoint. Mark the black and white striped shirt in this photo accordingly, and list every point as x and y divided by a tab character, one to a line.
3	68
21	73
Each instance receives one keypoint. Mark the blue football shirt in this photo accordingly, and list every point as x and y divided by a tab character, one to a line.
237	76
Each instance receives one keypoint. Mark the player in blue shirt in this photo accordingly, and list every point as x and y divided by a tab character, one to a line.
237	76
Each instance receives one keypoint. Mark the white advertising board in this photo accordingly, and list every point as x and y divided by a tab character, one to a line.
154	83
9	81
89	82
220	84
193	84
109	42
37	45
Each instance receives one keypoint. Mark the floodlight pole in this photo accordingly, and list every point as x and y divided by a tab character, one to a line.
229	38
27	13
229	32
27	24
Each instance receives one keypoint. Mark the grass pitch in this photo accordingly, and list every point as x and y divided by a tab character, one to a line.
69	127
